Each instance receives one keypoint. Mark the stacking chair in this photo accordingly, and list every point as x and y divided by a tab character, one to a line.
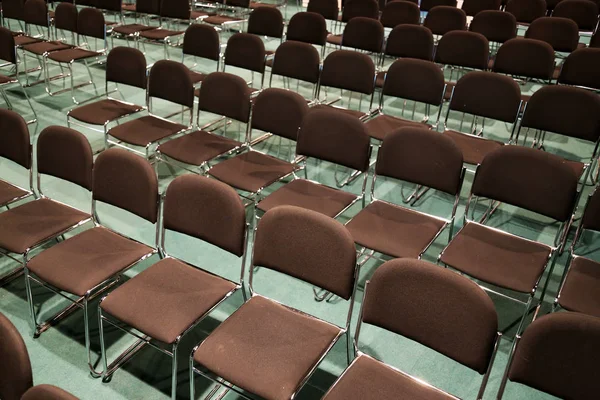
201	41
398	231
36	18
149	9
204	209
584	13
581	68
307	27
353	9
266	22
223	94
427	5
568	370
84	266
275	111
16	377
530	180
299	61
413	80
8	54
560	33
252	350
443	19
364	34
398	291
482	97
171	12
62	153
125	66
246	51
226	20
497	26
15	146
169	81
13	10
328	9
400	12
474	7
526	11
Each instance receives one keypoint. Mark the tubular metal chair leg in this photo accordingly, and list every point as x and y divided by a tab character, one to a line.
527	308
93	372
32	319
174	372
30	105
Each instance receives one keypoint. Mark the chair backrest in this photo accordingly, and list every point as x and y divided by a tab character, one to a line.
558	354
15	369
595	40
565	110
206	209
225	94
279	111
238	3
496	26
126	65
410	41
526	11
266	21
408	153
329	9
418	300
474	7
175	9
151	7
427	5
525	57
35	12
364	34
297	60
581	68
14	138
13	9
66	16
443	19
560	33
360	8
464	49
307	245
246	51
416	80
307	27
128	181
488	95
90	22
591	214
528	178
583	12
202	41
7	46
349	70
400	12
109	5
170	80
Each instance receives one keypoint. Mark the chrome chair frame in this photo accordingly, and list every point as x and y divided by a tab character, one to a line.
364	117
236	12
12	82
166	42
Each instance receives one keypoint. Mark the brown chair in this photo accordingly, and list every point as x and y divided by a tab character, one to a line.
334	137
149	302
13	10
568	111
328	9
526	11
474	7
276	111
308	27
560	33
417	81
443	19
170	13
149	9
201	41
528	179
62	153
427	5
16	377
251	350
15	146
227	20
400	12
89	263
353	9
246	51
35	15
496	26
484	97
408	298
126	66
170	81
297	60
401	231
364	34
557	355
581	68
223	94
583	12
266	22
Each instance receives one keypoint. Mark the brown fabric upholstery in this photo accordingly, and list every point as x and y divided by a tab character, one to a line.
29	224
66	154
9	193
565	110
147	6
327	8
195	148
352	113
258	348
169	80
417	80
349	70
568	371
221	19
14	138
65	17
427	5
7	45
15	368
497	26
84	261
474	7
581	67
41	48
35	12
279	111
463	49
202	41
307	27
364	34
166	299
411	41
443	19
405	296
103	111
90	22
580	290
400	12
13	9
220	221
225	94
159	33
360	8
382	125
487	94
297	60
47	392
247	51
177	9
473	148
560	33
23	40
334	39
70	55
526	11
584	13
525	57
126	65
144	130
131	29
127	181
266	21
591	216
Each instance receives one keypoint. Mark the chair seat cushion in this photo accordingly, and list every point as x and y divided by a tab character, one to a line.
256	4
83	261
9	193
495	257
221	19
380	126
45	47
68	55
196	76
266	348
131	29
103	111
23	40
47	392
334	39
200	14
145	130
309	195
393	230
159	34
128	7
370	379
31	223
166	299
251	171
195	148
581	292
354	113
474	148
7	79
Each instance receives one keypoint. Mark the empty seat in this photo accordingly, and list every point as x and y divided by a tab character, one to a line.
582	68
474	7
201	41
297	60
526	11
400	12
246	51
560	33
307	27
442	19
496	26
427	5
353	9
583	12
15	145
